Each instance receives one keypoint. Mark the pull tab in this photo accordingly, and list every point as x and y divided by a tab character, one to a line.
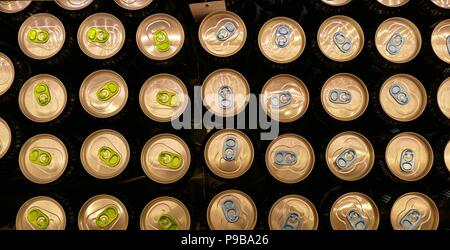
107	216
448	44
225	97
342	42
395	44
42	94
285	158
97	35
340	96
170	160
229	150
291	222
399	94
225	31
345	159
279	100
356	220
167	98
40	157
281	36
161	40
38	219
108	156
107	91
411	219
166	222
36	35
230	211
407	160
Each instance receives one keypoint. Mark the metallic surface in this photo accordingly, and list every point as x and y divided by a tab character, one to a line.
296	204
447	156
429	213
13	6
7	73
133	4
50	207
393	3
73	4
336	2
445	4
164	206
440	40
443	97
94	206
5	137
358	202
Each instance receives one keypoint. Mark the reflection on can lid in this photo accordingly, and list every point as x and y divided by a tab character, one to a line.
42	98
103	212
165	213
163	97
350	156
5	137
403	97
281	40
447	156
443	97
231	210
442	3
13	6
43	158
393	3
41	36
409	156
165	158
340	38
225	92
133	4
41	213
7	73
344	97
103	93
290	158
229	153
101	36
73	4
354	211
398	40
414	211
336	2
293	212
222	33
440	40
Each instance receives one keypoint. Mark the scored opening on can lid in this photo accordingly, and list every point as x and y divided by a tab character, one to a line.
5	137
73	4
222	33
231	210
336	2
7	73
41	213
414	211
290	158
43	158
440	40
445	4
293	212
13	6
165	213
447	155
443	97
103	212
165	158
393	3
354	211
133	4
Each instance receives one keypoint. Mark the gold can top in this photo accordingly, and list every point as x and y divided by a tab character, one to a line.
165	213
73	4
13	6
133	4
5	137
336	2
7	73
445	4
232	210
393	3
41	213
447	156
290	158
414	211
103	212
443	97
440	40
293	212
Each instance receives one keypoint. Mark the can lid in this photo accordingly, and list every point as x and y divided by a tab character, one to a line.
43	158
133	4
222	33
443	97
445	4
440	40
41	213
336	2
103	212
5	137
293	212
73	4
414	211
165	213
7	73
354	211
13	6
393	3
447	156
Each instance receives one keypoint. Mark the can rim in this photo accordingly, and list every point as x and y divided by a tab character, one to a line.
95	198
158	200
446	81
15	11
39	198
389	5
6	58
126	6
425	197
338	4
298	197
60	4
6	148
443	6
434	33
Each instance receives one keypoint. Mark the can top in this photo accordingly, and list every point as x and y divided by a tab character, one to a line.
222	33
163	97
232	210
293	212
42	98
344	97
398	40
336	2
445	4
393	3
340	38
103	93
7	73
440	40
41	213
5	137
409	156
41	36
73	4
13	6
165	158
443	97
354	211
350	156
133	4
103	212
281	40
43	158
403	97
165	213
414	211
160	36
101	36
290	158
447	156
105	154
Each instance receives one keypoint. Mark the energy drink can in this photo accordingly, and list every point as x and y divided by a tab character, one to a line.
103	212
7	73
414	211
73	4
393	3
165	213
5	137
41	213
133	4
388	7
440	40
443	98
293	212
336	2
13	6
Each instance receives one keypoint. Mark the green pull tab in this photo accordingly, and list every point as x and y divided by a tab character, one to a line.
170	160
167	98
107	216
109	156
97	35
166	222
38	36
107	91
42	94
38	219
40	157
161	40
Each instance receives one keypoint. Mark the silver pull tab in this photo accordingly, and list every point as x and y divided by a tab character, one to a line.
356	220
291	222
448	44
225	31
285	158
229	150
395	44
345	159
399	94
225	97
281	36
342	42
230	211
281	99
340	96
410	220
407	160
